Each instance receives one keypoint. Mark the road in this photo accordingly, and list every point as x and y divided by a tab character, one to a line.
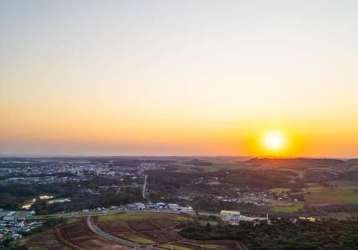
102	213
131	245
144	187
75	214
94	228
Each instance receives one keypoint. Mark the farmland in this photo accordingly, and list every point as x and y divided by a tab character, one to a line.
319	195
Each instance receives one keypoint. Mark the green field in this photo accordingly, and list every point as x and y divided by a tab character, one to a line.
295	207
339	195
174	247
211	246
72	220
139	239
205	222
137	216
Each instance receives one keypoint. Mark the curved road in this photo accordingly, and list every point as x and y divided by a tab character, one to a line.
94	228
131	245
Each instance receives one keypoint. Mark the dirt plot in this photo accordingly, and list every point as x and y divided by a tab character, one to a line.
71	236
44	241
79	236
159	230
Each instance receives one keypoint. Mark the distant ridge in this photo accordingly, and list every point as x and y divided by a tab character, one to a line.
295	162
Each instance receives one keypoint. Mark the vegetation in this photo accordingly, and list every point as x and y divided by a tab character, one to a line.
174	247
332	195
139	239
136	216
294	207
282	234
9	244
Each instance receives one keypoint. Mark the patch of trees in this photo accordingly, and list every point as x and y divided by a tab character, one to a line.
9	244
210	204
13	196
198	162
282	234
261	178
349	175
316	175
168	181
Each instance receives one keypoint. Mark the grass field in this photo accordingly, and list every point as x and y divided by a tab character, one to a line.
72	220
344	194
134	216
139	239
294	207
211	246
174	247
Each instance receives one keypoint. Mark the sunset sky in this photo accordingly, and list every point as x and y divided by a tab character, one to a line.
178	77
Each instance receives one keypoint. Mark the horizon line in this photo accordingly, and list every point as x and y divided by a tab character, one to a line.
167	155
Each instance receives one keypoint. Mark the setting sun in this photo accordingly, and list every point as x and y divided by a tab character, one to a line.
274	141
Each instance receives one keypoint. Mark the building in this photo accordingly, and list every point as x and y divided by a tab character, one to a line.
139	206
233	217
173	206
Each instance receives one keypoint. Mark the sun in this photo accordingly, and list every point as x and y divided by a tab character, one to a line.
274	141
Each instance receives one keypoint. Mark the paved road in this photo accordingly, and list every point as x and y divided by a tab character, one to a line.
94	228
131	245
102	213
76	214
144	187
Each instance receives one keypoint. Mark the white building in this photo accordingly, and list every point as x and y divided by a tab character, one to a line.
233	217
139	205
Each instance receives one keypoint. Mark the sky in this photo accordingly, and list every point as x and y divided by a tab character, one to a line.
204	77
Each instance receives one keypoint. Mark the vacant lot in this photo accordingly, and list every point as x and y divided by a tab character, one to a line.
44	241
155	229
74	235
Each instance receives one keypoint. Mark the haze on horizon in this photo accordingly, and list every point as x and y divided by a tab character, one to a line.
178	77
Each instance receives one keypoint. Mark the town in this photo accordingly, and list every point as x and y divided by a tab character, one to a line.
231	190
